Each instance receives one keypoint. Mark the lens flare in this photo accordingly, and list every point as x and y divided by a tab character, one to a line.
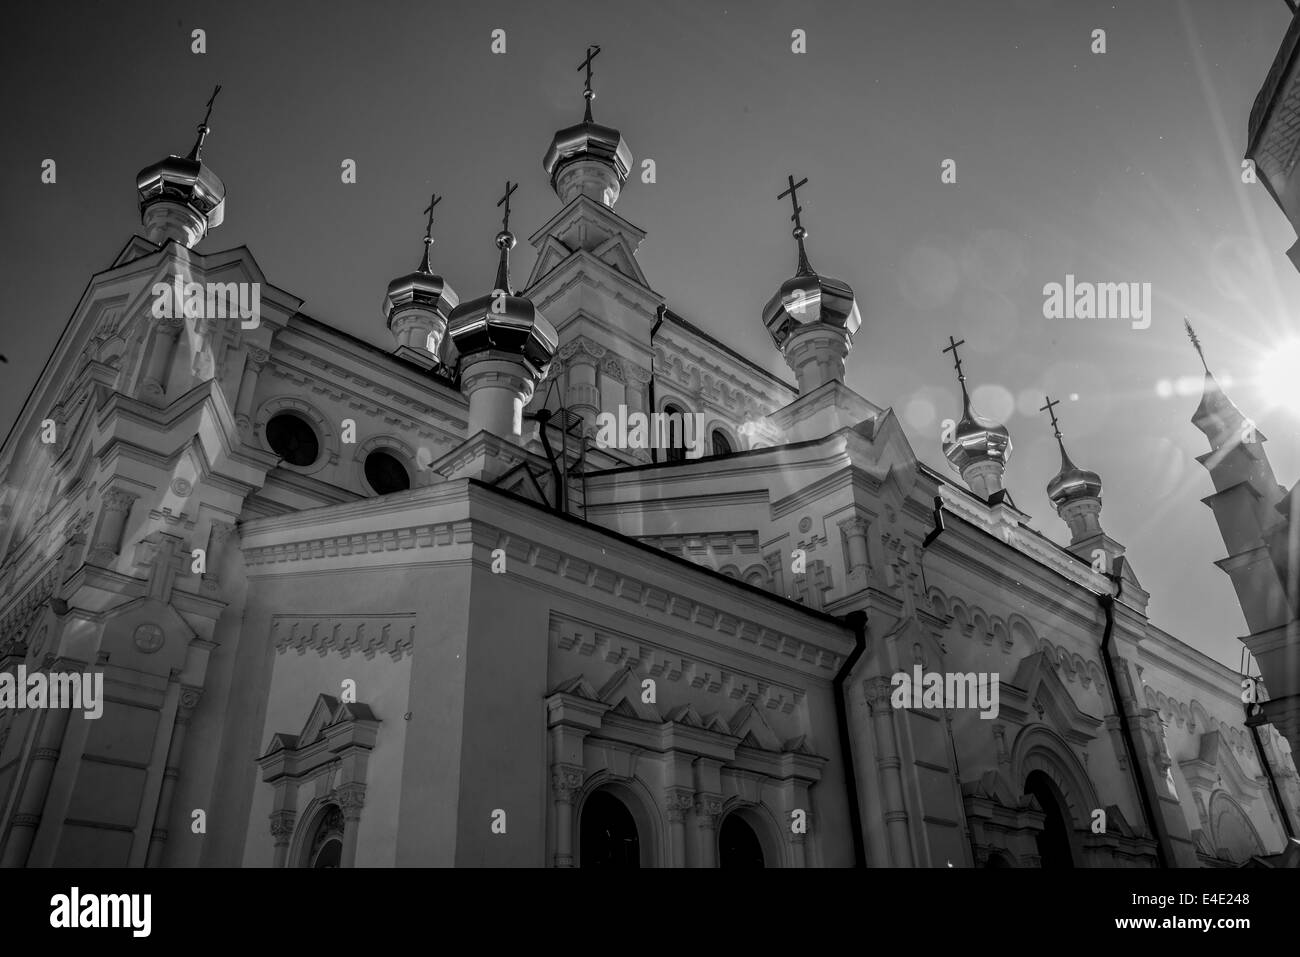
1279	376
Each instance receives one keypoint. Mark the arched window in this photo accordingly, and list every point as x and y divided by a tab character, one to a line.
674	434
386	473
608	834
293	439
721	444
1054	838
738	845
326	848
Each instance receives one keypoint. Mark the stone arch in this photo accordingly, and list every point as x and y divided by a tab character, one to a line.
325	431
718	425
764	824
1233	834
1200	719
979	623
1038	748
1022	632
636	797
731	571
757	574
300	850
938	602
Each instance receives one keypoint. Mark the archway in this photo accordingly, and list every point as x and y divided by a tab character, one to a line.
738	845
324	850
1054	839
607	835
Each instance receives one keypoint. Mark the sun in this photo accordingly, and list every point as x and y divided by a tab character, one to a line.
1279	376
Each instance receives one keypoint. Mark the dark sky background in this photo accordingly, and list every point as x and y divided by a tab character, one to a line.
1122	167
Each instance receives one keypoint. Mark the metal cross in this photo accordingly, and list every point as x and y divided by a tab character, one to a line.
1196	343
952	347
592	51
1050	409
434	200
212	99
510	188
794	198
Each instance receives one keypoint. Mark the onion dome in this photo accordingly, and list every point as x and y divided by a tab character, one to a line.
422	287
1072	483
602	149
807	299
975	440
502	322
186	180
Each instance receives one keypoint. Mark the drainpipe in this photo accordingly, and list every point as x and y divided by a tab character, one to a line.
1148	809
659	321
857	620
543	417
1272	781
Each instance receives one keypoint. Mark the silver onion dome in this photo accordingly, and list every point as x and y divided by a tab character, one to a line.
186	179
504	322
586	141
976	439
1072	483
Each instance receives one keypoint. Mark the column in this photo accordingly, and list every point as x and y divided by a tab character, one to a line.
116	505
247	388
351	799
282	825
161	350
855	534
27	814
566	779
878	690
678	802
171	771
707	809
217	538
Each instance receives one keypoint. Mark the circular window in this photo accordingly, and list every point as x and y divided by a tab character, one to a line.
386	474
291	438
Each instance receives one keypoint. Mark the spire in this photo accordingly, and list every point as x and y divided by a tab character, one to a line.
417	305
1072	484
1216	416
978	449
588	159
204	130
799	233
812	318
587	92
180	197
505	242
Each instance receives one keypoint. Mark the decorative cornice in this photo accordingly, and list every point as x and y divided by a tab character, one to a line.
393	634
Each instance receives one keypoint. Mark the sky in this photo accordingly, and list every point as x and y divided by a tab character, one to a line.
1123	166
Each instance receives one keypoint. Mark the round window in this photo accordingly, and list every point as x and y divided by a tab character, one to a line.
293	439
386	474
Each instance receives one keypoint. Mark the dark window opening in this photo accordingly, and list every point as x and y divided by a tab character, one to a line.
608	836
293	439
386	473
738	844
1054	839
721	446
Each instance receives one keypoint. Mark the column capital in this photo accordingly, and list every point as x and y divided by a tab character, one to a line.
566	781
678	801
282	824
117	500
351	798
707	809
878	691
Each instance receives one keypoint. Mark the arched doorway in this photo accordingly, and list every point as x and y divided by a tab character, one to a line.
326	848
738	845
607	835
1054	839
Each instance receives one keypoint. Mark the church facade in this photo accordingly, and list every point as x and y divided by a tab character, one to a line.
408	605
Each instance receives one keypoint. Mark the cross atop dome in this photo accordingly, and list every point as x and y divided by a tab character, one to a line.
588	159
180	197
203	128
978	448
799	233
588	93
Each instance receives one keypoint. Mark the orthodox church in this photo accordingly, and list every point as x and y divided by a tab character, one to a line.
396	605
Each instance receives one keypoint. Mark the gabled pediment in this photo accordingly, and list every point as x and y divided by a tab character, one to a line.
615	253
1037	685
552	253
578	686
623	691
319	718
748	725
